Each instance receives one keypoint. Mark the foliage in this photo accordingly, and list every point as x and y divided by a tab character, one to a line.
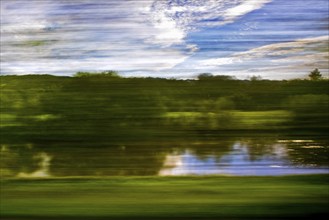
209	76
310	110
110	108
108	73
315	75
255	78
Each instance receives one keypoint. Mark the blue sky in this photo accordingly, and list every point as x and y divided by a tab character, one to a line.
275	39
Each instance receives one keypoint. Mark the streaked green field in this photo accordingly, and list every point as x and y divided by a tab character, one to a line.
233	120
211	197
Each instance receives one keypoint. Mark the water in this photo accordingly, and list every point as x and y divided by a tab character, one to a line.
239	156
238	162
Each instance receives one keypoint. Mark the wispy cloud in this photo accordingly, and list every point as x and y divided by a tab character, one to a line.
276	51
296	56
244	7
68	36
195	14
161	36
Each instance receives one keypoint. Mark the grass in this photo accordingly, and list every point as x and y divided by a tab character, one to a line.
189	197
261	119
232	119
7	120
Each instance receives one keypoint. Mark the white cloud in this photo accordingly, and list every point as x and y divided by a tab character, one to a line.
192	48
66	36
291	58
243	8
175	20
140	59
277	52
306	45
218	61
166	31
77	43
195	14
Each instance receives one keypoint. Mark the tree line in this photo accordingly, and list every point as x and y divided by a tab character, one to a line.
105	106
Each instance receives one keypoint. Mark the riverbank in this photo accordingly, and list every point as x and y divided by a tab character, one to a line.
186	197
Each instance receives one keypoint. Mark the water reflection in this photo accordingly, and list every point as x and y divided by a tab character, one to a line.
239	161
229	157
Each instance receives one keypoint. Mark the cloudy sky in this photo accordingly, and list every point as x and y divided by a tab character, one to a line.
275	39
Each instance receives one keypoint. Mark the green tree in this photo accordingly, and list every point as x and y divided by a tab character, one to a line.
204	76
255	78
315	75
108	73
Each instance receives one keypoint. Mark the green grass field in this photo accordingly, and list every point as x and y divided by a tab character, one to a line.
189	197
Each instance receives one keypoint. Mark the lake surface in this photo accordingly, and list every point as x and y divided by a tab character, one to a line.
255	156
240	160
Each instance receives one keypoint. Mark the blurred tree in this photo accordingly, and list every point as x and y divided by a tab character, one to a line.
205	76
315	75
82	74
223	77
109	73
255	78
311	110
202	76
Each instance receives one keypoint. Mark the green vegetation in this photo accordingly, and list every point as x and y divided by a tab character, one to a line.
131	197
109	73
215	197
315	75
104	125
104	106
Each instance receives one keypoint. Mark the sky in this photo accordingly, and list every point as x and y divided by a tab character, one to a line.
274	39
